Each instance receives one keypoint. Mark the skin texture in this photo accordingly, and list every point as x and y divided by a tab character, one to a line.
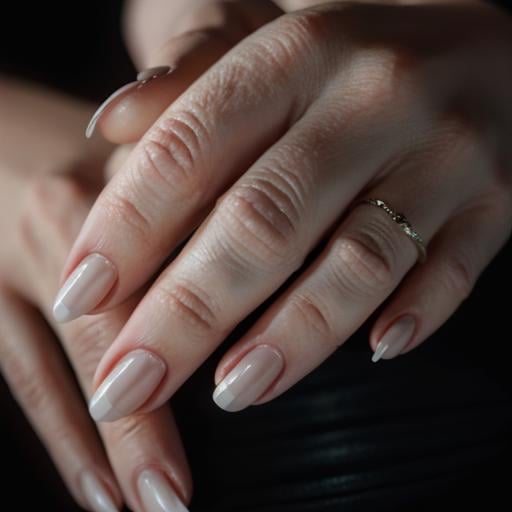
264	154
45	195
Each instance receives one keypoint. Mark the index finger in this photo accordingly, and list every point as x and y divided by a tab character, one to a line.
197	148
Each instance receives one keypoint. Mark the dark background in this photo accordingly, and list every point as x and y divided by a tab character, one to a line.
422	432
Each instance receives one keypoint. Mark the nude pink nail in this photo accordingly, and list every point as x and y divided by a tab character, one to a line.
96	492
127	386
157	494
249	379
142	78
395	338
85	288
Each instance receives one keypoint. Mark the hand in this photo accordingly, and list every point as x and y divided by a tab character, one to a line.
40	214
264	154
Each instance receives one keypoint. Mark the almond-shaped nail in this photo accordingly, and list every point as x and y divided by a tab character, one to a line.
142	78
249	379
85	288
96	493
127	386
157	494
395	338
101	109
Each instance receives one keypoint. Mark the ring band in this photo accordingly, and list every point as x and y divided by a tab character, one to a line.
402	221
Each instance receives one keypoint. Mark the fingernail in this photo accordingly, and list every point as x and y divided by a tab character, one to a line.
85	288
96	493
395	338
147	74
142	78
157	494
127	386
249	379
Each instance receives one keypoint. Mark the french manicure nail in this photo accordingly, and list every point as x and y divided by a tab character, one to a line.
85	288
157	494
127	386
142	78
395	338
249	379
96	493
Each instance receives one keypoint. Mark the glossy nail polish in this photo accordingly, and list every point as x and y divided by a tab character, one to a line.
85	288
127	386
249	379
157	494
142	78
96	493
395	338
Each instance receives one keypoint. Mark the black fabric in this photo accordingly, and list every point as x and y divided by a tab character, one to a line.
425	431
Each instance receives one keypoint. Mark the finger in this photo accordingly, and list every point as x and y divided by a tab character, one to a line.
362	263
256	237
117	159
180	167
129	112
148	458
39	378
433	292
153	441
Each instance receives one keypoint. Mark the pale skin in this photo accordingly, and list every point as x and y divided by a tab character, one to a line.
262	155
350	110
45	194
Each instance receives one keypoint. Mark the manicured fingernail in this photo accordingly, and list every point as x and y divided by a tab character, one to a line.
85	288
96	493
101	109
395	338
157	494
142	78
127	386
249	379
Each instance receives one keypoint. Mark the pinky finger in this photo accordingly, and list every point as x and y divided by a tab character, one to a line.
36	373
432	292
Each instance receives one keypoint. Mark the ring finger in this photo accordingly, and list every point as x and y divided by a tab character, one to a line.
365	259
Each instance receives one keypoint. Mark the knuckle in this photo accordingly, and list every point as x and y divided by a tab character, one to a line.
87	341
364	263
312	315
171	156
260	225
191	305
123	211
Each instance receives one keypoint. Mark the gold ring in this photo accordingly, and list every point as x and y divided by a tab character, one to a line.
402	221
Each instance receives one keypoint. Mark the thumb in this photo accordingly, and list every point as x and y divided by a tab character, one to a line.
130	111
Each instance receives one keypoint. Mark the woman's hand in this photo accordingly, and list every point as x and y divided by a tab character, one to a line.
264	154
45	195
